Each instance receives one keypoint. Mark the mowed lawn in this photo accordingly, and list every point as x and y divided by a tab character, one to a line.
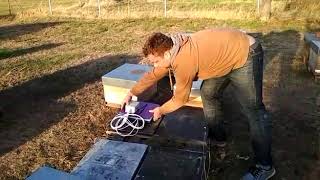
52	103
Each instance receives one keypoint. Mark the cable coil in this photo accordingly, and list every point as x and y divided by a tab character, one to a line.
123	121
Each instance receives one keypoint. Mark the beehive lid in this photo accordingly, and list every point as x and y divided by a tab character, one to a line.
126	75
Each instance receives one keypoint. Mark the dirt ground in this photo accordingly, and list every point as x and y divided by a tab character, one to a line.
54	117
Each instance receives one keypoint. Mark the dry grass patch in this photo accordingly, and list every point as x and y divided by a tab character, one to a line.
52	98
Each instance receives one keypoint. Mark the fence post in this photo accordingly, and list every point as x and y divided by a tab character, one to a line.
50	7
165	8
99	8
128	8
265	9
9	6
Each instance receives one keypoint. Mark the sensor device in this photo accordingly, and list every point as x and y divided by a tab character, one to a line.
131	107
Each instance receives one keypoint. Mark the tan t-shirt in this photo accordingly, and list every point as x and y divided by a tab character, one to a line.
205	54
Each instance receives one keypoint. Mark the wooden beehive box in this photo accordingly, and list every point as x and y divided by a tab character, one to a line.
195	96
118	82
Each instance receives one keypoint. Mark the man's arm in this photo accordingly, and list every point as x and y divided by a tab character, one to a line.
181	94
148	80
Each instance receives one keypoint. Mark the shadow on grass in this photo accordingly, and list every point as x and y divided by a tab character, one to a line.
13	31
290	95
293	94
5	53
32	107
8	17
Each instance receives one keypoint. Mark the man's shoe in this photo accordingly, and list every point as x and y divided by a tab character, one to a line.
259	172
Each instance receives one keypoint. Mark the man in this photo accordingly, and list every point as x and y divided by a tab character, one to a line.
219	57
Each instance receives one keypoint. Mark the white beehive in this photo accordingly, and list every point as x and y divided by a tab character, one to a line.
118	82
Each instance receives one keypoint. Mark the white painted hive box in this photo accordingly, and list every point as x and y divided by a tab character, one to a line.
118	82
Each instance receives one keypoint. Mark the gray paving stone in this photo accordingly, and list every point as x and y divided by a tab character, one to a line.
111	160
48	173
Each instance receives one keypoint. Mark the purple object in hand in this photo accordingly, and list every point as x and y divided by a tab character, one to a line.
143	109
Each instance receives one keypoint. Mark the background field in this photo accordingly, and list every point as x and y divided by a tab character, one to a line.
51	97
218	9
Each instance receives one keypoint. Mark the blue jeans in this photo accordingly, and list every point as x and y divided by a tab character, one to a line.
247	83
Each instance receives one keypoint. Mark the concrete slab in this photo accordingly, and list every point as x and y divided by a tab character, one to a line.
49	173
112	160
185	123
171	164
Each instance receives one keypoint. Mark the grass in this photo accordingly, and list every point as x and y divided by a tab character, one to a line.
217	9
4	53
57	46
51	93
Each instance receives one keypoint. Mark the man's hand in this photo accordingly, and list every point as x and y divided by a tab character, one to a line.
126	100
156	113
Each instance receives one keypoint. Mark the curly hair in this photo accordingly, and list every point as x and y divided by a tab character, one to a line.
157	44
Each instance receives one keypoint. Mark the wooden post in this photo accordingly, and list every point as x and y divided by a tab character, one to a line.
165	8
9	7
99	8
265	9
128	8
50	7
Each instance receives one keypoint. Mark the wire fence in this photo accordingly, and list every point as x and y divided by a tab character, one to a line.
219	9
127	8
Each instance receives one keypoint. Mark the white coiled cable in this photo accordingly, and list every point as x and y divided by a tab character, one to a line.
122	121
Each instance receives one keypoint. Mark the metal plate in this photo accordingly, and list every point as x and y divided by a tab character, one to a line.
112	160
